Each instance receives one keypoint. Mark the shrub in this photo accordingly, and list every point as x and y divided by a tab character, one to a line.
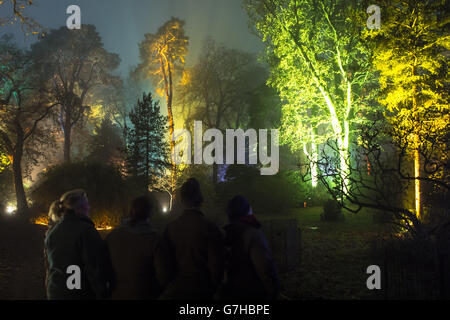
382	216
267	194
109	194
332	211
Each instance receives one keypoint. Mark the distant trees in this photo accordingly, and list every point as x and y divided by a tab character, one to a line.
24	103
147	154
162	57
106	145
218	89
75	63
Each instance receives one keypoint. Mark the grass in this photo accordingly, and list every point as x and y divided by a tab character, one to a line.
334	258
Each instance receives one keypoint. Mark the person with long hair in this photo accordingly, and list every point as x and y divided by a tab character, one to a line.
140	261
76	255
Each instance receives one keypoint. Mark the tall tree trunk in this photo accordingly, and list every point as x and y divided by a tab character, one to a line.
418	202
171	128
67	142
416	156
22	204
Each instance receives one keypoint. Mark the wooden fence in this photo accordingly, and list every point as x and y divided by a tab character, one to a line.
413	269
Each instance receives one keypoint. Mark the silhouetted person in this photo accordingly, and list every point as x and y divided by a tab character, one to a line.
140	265
72	240
197	248
250	271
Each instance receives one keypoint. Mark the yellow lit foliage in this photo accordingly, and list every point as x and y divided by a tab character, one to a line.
411	53
41	220
5	162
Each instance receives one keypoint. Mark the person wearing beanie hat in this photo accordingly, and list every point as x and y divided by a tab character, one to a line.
250	270
197	249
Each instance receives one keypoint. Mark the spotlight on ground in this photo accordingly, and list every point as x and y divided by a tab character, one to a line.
10	209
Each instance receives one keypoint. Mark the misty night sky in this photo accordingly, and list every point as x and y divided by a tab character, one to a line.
122	24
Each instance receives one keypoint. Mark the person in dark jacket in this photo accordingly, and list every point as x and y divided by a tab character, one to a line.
197	248
140	261
72	243
250	271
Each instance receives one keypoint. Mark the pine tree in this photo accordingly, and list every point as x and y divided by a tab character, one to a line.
147	150
106	145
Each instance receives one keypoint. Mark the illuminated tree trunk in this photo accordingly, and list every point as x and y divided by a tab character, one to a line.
344	156
342	137
416	158
313	157
341	134
21	199
417	183
167	75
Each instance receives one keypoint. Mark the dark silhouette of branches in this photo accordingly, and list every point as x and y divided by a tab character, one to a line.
17	13
380	173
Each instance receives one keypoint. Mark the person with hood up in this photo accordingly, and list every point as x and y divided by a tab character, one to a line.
250	271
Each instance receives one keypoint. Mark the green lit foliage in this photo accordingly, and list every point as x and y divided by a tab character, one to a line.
319	66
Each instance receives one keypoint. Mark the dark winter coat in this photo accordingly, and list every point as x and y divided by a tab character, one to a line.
196	245
75	241
140	262
250	270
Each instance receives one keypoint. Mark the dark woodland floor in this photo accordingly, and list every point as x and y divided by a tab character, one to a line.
333	260
22	272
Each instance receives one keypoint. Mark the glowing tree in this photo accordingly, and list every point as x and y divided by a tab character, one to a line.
162	59
320	68
24	103
411	53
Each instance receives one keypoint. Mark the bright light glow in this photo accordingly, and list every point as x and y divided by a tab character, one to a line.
10	209
164	209
41	220
103	228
